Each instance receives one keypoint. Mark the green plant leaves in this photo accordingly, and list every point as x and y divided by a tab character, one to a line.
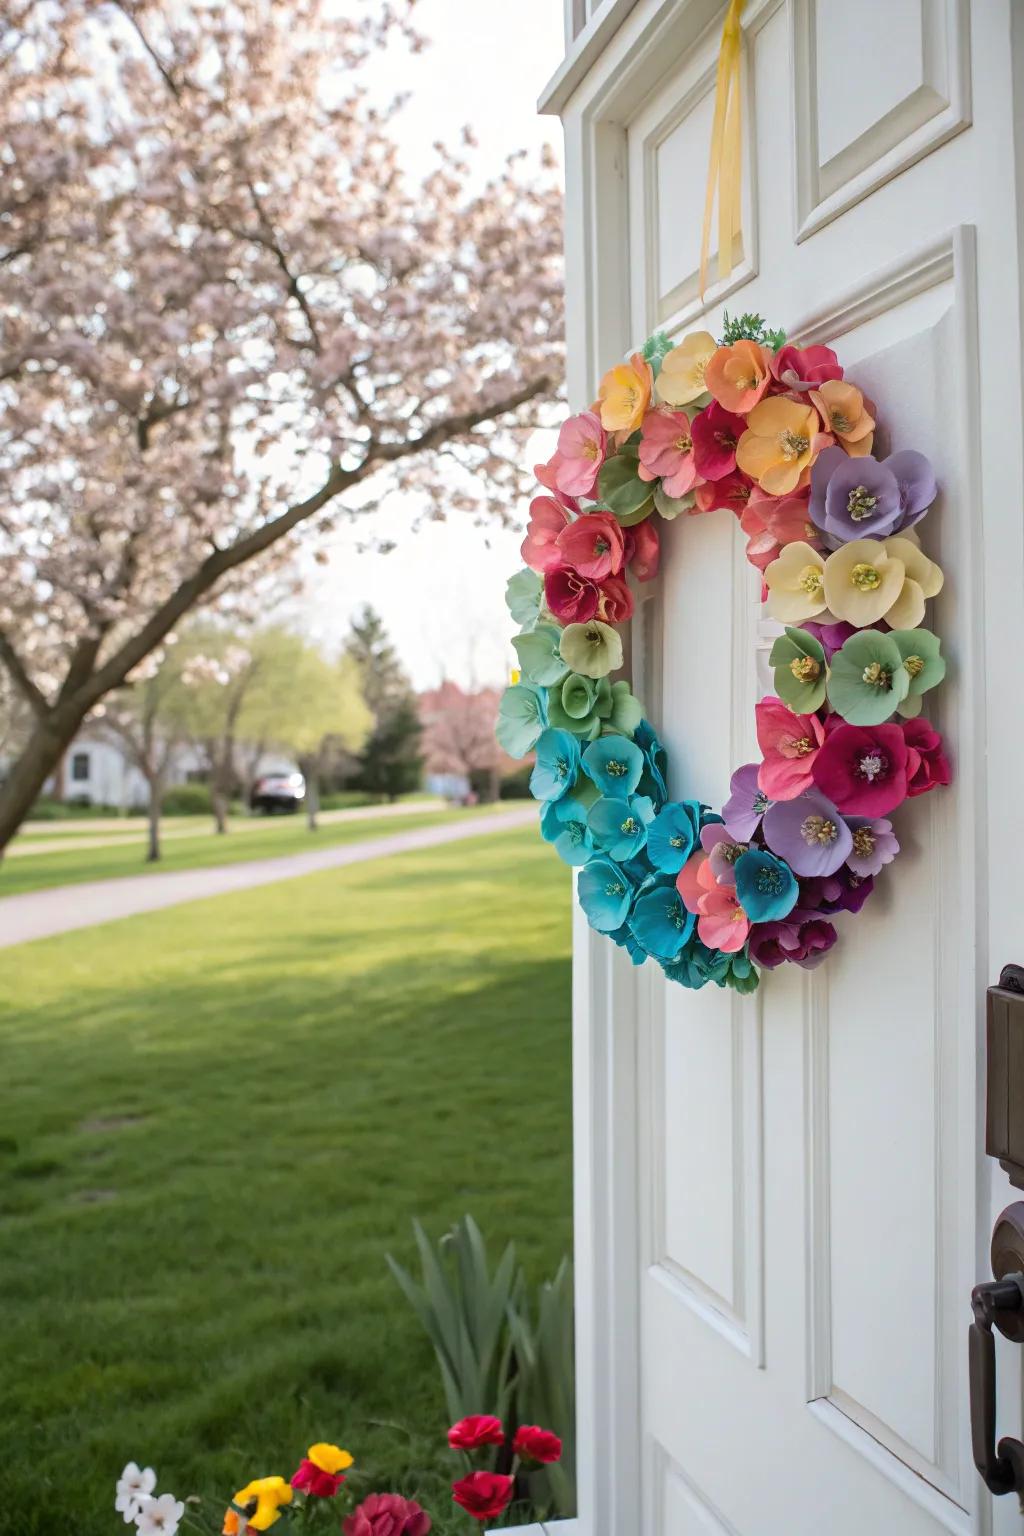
622	491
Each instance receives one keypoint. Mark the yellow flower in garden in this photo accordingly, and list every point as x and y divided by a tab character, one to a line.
863	581
682	370
779	444
922	579
796	584
262	1499
842	408
624	394
329	1458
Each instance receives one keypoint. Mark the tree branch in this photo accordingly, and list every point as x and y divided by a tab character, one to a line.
19	676
165	74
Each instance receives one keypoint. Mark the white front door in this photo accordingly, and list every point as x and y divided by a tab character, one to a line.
782	1201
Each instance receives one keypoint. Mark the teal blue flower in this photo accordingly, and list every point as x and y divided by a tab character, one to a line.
766	887
522	715
696	965
661	923
524	593
538	652
619	826
742	974
557	765
655	762
605	894
615	765
624	938
563	823
672	835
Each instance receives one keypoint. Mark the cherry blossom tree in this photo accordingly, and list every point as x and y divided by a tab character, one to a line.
227	315
458	733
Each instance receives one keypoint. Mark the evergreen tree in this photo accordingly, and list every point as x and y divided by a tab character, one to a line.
385	683
391	762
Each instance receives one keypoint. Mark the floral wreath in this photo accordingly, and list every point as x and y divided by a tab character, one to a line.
777	435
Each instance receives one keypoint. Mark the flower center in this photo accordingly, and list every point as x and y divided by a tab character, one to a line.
877	676
574	831
601	546
725	440
865	577
810	532
796	746
860	503
805	669
589	449
683	444
561	767
676	841
770	881
793	444
594	636
914	665
810	580
730	852
615	768
873	765
840	423
614	888
864	842
629	826
820	830
676	915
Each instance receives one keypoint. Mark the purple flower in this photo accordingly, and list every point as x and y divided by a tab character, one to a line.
801	939
809	833
864	499
874	844
722	850
831	637
842	892
746	805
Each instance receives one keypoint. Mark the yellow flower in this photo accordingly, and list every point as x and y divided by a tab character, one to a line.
779	444
682	370
329	1458
624	394
795	581
862	581
922	579
265	1495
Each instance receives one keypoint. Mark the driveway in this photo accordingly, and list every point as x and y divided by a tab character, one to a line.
40	914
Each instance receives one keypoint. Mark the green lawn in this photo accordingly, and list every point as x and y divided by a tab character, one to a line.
266	839
215	1121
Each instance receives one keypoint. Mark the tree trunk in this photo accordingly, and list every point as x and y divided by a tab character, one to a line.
220	804
153	816
312	777
46	746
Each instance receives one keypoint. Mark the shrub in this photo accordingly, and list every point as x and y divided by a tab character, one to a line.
516	786
188	800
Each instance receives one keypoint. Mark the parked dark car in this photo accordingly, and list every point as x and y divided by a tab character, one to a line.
275	792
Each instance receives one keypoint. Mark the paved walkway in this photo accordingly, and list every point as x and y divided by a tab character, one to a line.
40	914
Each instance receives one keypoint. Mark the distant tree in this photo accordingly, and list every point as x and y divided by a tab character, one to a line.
458	735
384	679
392	763
218	674
147	720
323	712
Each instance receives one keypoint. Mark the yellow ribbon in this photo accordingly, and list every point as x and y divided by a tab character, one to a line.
725	168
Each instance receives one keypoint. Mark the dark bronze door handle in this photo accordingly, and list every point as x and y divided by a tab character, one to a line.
999	1304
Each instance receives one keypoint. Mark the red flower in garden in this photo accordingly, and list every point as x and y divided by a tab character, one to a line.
927	764
484	1495
478	1429
387	1514
313	1479
536	1444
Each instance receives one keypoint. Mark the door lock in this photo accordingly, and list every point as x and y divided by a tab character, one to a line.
997	1304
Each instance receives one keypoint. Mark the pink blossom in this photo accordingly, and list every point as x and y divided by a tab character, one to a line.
547	521
594	545
571	597
616	603
722	923
643	550
803	368
716	432
790	743
581	451
666	451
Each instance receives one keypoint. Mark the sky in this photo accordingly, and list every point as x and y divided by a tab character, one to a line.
441	591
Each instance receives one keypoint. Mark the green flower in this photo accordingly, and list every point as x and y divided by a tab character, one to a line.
626	711
595	649
799	663
924	666
523	595
580	705
539	656
522	715
867	679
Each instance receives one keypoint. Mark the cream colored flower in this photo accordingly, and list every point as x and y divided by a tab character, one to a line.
681	378
796	586
922	579
862	581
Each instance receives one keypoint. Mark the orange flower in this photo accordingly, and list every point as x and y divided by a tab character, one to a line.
782	439
738	376
232	1525
624	395
845	413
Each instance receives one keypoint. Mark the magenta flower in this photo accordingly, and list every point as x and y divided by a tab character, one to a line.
716	432
593	545
801	939
874	844
863	769
790	744
842	892
547	520
666	451
808	833
581	452
804	368
571	597
927	764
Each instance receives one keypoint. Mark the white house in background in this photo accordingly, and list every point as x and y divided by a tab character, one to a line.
782	1201
98	771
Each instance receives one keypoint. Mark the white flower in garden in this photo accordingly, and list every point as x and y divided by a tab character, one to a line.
159	1517
135	1484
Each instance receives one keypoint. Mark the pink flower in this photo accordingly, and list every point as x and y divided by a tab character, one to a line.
804	368
732	492
643	550
314	1480
571	597
790	743
547	520
666	450
716	432
387	1514
476	1430
773	521
722	923
722	850
616	601
544	474
927	764
581	451
863	769
536	1444
593	545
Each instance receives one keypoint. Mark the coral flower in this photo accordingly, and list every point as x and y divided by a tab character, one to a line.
262	1500
862	582
805	368
615	601
581	450
716	433
320	1471
667	450
733	493
863	770
681	379
476	1430
547	521
796	584
846	414
643	550
571	597
593	545
782	440
624	395
722	923
738	376
771	522
790	743
484	1495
